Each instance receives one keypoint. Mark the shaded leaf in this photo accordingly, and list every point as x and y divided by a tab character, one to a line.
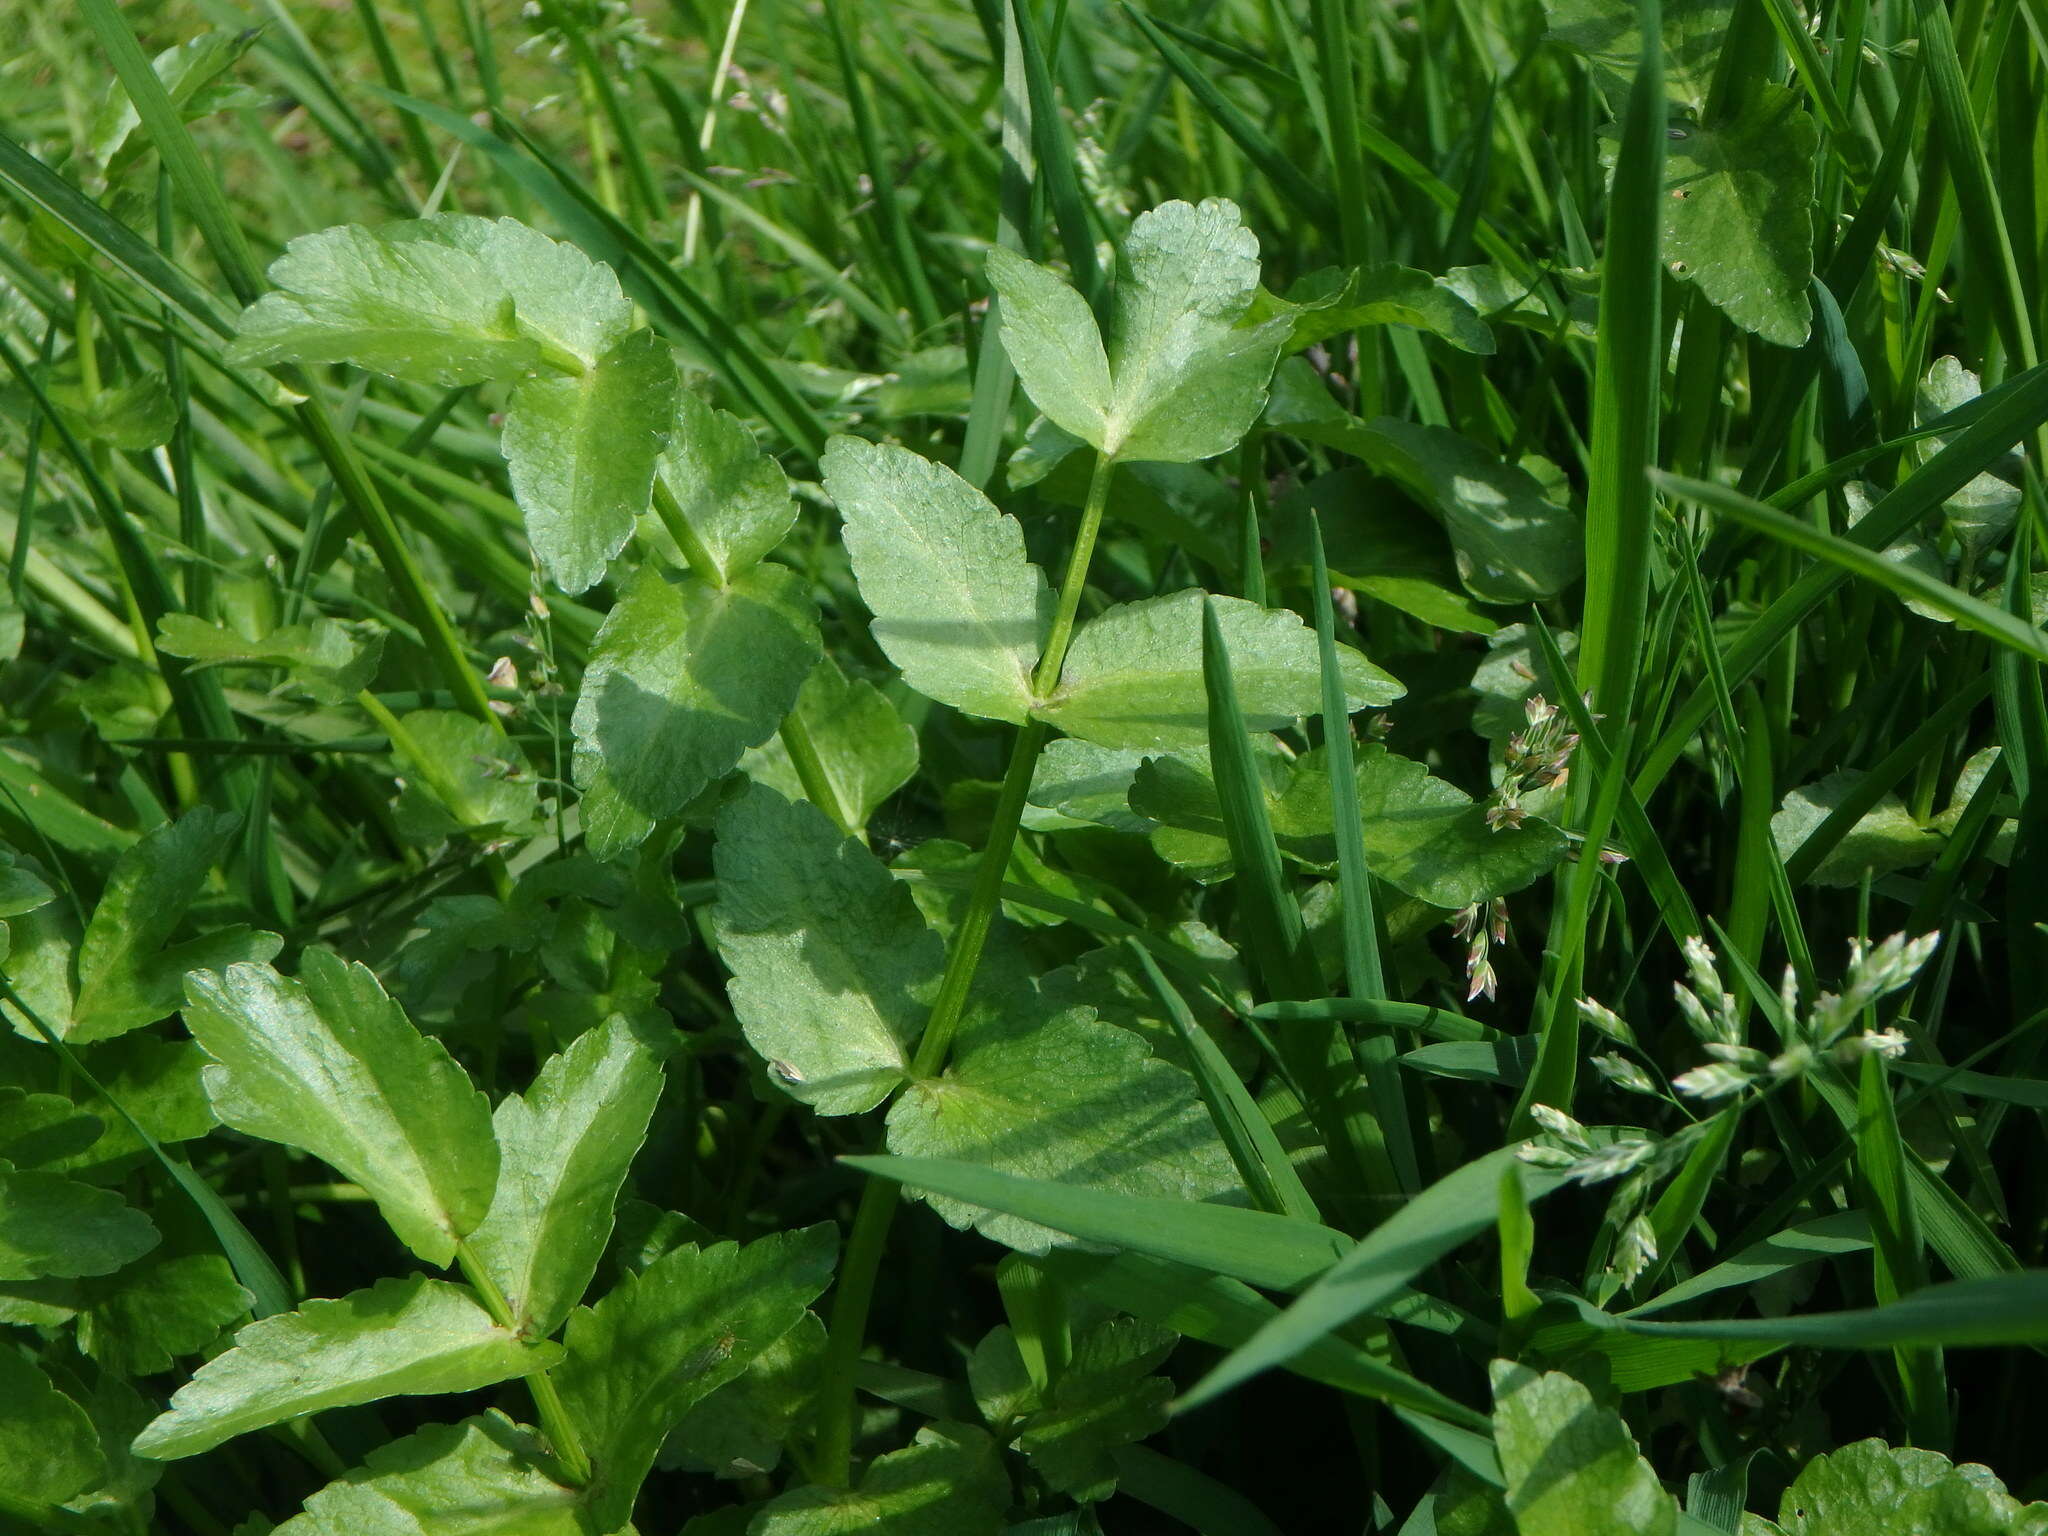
1572	1469
482	1477
1327	303
1133	676
331	660
48	1450
733	496
948	1482
683	678
833	968
54	1226
865	748
664	1338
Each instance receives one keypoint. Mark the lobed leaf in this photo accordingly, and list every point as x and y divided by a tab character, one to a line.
482	1477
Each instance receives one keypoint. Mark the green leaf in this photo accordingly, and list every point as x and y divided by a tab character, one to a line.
833	969
134	416
48	1451
582	449
563	1151
1190	380
1983	510
1050	336
1609	33
958	608
1057	1095
1738	212
1133	677
1429	839
1884	840
145	1318
331	660
1329	302
1081	782
1572	1469
683	678
571	304
1182	378
684	1326
733	497
462	776
400	1337
413	308
1104	1398
1869	1486
865	748
740	1430
481	1477
188	72
948	1482
54	1226
2010	1308
126	978
329	1064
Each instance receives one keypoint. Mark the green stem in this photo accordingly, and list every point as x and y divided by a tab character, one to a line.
554	1414
870	1236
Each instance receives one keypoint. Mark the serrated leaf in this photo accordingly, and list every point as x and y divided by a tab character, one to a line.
1869	1486
461	776
1609	33
332	660
1981	512
143	1319
1428	838
1082	782
415	309
329	1064
48	1450
740	1430
448	300
1133	676
563	1151
1055	1094
958	608
1190	380
54	1226
1329	302
684	677
43	1130
947	1482
733	496
1050	336
1182	379
664	1338
126	978
400	1337
865	748
482	1477
1105	1397
1571	1467
1738	212
581	450
832	966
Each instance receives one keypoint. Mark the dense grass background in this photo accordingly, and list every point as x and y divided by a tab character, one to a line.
799	196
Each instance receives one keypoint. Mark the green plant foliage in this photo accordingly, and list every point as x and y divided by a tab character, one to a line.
400	1336
1021	770
330	1064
